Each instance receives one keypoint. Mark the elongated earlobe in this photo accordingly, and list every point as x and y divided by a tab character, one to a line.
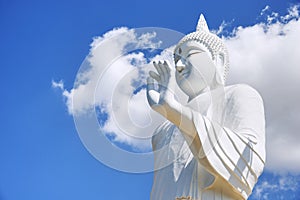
219	62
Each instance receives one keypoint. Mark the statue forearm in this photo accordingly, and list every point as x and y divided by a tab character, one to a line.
182	117
193	138
179	115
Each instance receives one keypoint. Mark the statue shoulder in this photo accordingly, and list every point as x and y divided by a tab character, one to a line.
242	92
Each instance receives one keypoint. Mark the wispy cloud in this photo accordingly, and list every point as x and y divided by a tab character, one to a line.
277	187
263	11
222	30
59	84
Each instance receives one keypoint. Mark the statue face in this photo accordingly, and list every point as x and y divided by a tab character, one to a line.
195	69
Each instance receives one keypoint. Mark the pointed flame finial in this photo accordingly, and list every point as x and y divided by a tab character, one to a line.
202	25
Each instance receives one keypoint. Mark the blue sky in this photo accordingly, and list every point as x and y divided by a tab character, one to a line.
41	154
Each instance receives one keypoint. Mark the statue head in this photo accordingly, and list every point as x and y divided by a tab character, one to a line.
201	60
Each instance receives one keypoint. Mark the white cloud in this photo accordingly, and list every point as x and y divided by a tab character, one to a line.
262	190
266	56
109	80
59	84
293	13
222	28
277	186
263	11
124	108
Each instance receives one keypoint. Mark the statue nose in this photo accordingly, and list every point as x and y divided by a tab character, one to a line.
179	66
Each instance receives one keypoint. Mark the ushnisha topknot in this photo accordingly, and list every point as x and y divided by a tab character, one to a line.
211	41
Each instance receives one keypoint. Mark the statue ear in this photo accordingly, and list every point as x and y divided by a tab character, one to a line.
220	61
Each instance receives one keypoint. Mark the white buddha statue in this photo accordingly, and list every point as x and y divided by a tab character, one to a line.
218	137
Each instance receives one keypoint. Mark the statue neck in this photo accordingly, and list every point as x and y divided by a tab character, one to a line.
194	95
213	86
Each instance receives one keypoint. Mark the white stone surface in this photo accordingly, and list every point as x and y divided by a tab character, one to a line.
217	139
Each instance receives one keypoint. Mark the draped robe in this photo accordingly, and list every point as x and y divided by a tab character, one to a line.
231	156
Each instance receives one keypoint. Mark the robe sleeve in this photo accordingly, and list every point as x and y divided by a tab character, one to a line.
235	150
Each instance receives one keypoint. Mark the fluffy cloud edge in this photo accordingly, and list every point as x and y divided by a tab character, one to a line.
273	24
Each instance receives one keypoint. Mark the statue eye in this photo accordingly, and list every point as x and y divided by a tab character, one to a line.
194	52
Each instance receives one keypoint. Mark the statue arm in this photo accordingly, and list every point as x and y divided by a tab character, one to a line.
161	99
235	151
205	136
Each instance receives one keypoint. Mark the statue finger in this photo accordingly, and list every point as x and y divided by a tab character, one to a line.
156	65
154	75
150	84
163	71
167	65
